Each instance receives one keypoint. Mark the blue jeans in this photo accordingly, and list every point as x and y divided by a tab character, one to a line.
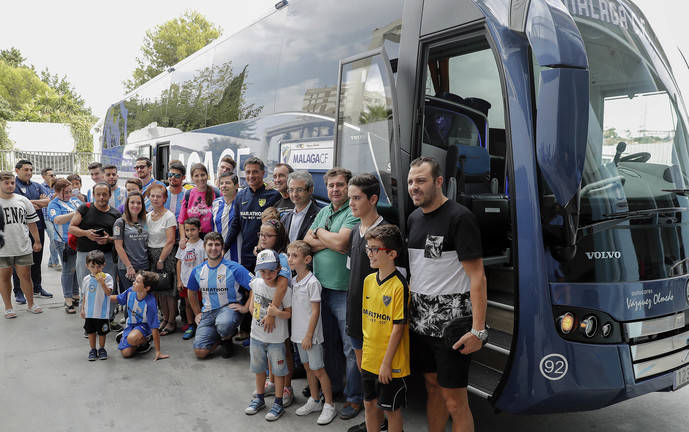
215	324
55	256
70	285
336	343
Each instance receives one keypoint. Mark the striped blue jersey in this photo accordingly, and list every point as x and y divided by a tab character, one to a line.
222	218
118	197
174	202
144	311
219	285
57	207
96	303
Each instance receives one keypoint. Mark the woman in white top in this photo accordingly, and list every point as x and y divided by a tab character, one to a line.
162	227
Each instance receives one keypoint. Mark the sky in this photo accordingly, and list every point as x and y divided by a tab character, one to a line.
95	44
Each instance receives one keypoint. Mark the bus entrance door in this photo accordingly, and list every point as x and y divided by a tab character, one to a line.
367	127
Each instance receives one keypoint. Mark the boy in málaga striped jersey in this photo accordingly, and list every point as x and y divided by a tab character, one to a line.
95	307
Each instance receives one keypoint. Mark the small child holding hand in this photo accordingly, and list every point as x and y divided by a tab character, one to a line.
95	306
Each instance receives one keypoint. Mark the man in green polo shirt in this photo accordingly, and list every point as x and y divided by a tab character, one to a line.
329	238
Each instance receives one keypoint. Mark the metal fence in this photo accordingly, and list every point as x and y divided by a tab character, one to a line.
62	163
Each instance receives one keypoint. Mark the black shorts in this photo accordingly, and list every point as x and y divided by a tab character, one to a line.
95	325
391	396
431	355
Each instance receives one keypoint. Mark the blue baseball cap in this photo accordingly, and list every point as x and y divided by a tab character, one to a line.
267	259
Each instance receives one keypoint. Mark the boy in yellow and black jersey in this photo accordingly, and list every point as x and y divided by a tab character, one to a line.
385	358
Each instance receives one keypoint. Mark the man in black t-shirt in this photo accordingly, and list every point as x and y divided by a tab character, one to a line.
447	281
92	225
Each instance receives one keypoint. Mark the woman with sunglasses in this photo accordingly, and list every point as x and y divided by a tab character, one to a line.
131	237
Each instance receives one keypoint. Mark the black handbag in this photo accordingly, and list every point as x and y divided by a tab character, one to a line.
164	282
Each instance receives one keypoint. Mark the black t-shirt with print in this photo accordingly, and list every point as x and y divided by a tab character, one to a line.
92	218
438	243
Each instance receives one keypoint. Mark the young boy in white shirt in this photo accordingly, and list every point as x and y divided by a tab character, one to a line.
189	257
268	347
95	306
307	331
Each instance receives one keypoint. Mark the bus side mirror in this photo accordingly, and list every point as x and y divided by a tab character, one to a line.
561	138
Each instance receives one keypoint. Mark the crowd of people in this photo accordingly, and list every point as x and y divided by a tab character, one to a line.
333	293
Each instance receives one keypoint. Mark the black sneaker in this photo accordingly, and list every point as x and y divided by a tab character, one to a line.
42	293
143	348
93	355
118	337
227	348
102	354
115	326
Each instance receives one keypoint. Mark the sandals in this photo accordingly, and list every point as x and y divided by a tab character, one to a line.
166	331
10	313
35	309
70	309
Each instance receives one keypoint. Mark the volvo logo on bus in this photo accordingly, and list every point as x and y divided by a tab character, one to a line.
603	255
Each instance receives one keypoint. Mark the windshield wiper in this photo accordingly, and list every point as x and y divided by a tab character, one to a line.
610	220
683	192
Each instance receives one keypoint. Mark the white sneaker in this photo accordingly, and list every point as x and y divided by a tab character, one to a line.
327	415
309	407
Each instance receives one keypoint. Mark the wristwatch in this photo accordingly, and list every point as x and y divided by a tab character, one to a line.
481	334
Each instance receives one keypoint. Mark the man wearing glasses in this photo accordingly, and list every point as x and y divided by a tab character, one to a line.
175	190
298	220
143	168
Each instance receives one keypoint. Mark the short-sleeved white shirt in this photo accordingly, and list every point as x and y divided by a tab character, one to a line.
19	213
304	293
156	229
190	257
263	296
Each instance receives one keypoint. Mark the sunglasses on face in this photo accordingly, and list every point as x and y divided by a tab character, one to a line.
175	175
140	167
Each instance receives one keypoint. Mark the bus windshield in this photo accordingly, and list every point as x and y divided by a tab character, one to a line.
637	162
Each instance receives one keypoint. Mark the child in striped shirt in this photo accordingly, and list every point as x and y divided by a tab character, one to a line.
95	306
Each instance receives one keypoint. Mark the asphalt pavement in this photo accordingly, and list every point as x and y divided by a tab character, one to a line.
47	384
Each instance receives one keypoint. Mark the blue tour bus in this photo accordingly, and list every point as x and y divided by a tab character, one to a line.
558	123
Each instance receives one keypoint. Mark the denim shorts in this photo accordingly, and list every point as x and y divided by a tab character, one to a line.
314	356
262	352
357	343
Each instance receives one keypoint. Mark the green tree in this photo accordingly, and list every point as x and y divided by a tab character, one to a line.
24	96
12	57
167	44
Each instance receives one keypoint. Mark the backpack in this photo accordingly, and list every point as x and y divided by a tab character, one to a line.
71	238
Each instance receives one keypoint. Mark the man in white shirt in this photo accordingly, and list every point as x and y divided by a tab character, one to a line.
20	218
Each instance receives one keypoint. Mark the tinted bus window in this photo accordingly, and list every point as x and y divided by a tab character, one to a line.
245	72
308	66
189	92
147	106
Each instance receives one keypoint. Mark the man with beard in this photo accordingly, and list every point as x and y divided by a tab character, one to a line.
218	318
447	283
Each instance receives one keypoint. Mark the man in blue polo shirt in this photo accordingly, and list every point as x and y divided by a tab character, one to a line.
217	280
249	204
39	197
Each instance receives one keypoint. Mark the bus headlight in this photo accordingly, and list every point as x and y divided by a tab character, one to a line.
566	323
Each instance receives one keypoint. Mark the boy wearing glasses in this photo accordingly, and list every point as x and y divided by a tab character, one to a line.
385	311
